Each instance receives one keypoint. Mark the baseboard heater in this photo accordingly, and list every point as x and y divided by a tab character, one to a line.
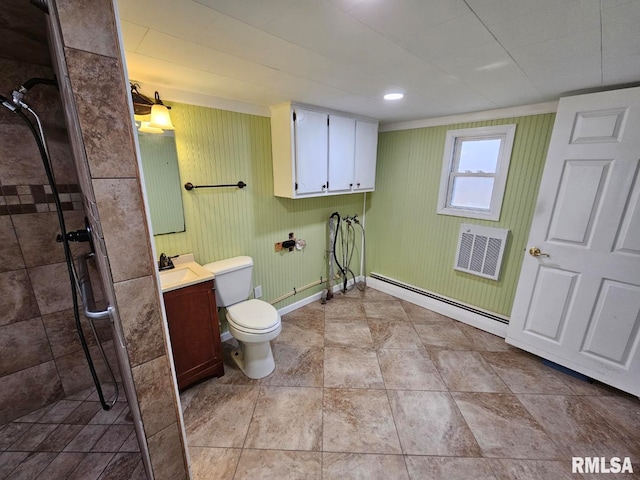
433	296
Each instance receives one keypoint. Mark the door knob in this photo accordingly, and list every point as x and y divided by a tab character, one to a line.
535	252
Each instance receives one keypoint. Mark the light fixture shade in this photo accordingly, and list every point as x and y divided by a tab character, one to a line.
160	118
146	128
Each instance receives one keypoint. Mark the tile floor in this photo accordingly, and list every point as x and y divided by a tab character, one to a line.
73	439
371	387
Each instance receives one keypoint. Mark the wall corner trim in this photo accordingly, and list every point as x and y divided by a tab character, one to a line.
519	111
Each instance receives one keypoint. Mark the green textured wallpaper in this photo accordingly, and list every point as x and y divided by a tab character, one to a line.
408	241
217	146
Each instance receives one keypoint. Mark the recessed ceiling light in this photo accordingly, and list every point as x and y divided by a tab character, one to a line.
393	96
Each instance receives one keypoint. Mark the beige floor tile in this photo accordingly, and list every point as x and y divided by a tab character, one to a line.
391	333
347	333
449	468
296	366
279	465
419	314
578	428
465	371
504	428
444	335
508	469
355	466
358	421
351	368
214	463
303	331
371	294
287	418
484	341
429	423
525	373
409	370
386	310
219	415
344	308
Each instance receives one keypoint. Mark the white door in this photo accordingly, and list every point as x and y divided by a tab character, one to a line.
311	140
366	151
578	302
342	146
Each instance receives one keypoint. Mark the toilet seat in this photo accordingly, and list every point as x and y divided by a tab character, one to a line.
253	316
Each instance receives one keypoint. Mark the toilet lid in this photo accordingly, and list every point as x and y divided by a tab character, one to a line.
254	314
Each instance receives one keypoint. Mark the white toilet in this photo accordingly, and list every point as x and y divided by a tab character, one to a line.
252	322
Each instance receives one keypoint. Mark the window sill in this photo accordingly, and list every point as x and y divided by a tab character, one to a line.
470	213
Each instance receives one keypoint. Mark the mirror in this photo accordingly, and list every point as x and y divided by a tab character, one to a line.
162	181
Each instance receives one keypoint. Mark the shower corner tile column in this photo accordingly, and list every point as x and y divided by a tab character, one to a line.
95	91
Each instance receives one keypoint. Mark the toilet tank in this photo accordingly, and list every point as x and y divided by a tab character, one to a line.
233	279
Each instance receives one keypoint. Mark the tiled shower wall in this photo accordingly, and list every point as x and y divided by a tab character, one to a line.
41	356
95	92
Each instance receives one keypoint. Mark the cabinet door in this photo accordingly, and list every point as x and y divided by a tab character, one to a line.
194	333
342	147
311	140
366	151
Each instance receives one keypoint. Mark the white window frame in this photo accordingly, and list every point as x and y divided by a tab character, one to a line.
507	134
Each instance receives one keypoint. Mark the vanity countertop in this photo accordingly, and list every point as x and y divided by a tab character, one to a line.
186	272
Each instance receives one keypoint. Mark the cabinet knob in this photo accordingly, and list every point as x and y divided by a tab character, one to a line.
324	186
350	185
358	184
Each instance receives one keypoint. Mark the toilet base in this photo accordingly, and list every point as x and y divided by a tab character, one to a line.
254	359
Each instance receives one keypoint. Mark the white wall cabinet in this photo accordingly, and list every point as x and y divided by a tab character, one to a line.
319	152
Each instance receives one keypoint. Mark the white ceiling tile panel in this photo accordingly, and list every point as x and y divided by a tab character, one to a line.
181	52
579	52
398	19
253	12
169	16
565	18
619	70
132	35
448	38
621	35
493	12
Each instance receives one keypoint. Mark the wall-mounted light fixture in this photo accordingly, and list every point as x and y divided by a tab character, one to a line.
159	118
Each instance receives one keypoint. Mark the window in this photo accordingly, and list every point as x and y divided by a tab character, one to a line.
474	171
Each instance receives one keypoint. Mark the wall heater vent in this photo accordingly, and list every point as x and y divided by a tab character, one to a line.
480	250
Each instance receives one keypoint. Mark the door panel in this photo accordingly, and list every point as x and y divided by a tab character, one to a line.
628	238
550	302
616	316
578	200
578	304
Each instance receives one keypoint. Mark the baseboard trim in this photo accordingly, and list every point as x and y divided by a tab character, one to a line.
411	294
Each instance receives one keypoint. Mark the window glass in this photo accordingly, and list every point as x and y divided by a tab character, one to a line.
479	155
472	192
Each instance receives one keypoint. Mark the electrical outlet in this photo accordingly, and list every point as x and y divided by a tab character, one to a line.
257	292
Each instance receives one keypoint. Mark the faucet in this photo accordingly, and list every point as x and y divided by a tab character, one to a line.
165	263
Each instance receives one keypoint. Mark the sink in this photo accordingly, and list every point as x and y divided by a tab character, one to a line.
186	272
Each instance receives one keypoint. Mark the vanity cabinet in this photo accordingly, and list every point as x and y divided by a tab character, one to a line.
194	332
318	152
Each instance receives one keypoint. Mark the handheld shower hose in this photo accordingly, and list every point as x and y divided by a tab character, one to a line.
38	134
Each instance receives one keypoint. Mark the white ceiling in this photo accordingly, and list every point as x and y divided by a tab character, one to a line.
447	56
